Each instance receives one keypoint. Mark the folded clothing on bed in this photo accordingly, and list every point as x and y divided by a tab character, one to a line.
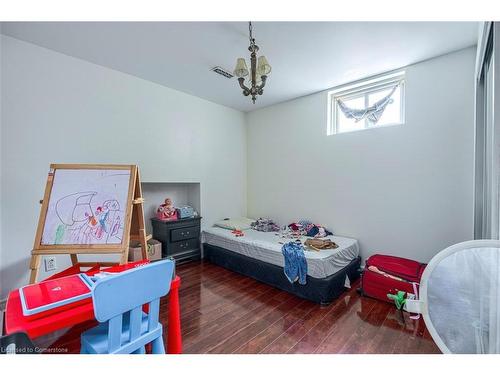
320	244
295	268
265	225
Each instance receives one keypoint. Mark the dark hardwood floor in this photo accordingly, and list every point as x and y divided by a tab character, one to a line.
224	312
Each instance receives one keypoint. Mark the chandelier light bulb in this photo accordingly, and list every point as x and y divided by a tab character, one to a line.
263	67
241	69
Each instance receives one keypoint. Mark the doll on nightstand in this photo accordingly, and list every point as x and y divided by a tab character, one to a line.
166	211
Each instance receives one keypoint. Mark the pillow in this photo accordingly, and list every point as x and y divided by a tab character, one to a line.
237	223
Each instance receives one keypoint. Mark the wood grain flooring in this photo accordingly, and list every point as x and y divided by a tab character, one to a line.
224	312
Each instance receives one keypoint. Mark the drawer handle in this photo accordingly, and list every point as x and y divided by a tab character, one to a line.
185	234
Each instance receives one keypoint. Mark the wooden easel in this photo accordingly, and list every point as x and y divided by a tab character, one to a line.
134	225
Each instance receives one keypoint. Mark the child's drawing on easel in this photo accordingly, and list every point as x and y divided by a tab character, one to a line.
86	217
84	225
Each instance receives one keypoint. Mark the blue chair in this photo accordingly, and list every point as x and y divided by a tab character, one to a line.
118	301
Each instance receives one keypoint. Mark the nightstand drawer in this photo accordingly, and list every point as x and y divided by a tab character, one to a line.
184	245
184	233
179	238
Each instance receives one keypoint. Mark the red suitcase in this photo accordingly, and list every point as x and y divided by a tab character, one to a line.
376	285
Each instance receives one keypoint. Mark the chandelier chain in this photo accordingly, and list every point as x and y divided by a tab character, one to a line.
250	29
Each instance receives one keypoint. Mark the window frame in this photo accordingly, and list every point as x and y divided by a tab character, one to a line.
363	88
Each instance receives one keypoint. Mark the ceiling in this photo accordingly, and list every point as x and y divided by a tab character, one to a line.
306	57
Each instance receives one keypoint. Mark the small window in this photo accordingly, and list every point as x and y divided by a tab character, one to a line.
368	104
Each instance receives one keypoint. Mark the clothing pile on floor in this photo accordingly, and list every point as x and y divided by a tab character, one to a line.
265	225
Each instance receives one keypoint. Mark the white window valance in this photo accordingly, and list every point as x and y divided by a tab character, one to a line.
372	113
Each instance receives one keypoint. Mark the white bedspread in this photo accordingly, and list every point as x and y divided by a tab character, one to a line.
266	246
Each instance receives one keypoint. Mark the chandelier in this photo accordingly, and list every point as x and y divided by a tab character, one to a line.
259	70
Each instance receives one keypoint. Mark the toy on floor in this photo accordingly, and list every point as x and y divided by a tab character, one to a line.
398	298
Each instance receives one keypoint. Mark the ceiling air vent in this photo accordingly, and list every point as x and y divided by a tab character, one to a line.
223	72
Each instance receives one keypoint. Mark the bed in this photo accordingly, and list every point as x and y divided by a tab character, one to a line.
258	255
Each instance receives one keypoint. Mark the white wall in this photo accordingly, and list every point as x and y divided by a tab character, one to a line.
403	190
61	109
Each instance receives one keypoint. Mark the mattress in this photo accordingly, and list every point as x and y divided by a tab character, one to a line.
266	246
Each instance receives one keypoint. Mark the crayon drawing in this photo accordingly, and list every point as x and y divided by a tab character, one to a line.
86	207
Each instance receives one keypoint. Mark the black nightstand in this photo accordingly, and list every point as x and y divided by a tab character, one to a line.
179	238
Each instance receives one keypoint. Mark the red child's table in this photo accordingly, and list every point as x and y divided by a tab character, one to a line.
15	321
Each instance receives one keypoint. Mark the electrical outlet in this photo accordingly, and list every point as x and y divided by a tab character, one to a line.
50	264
